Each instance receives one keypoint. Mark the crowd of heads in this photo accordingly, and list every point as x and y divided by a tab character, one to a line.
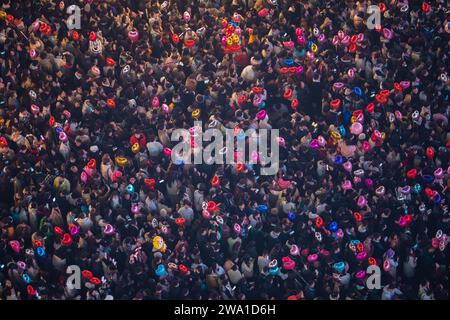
86	179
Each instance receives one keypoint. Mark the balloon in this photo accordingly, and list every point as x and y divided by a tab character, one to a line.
335	104
417	188
338	85
358	115
346	40
133	35
168	151
366	146
135	208
158	242
411	174
437	198
406	190
387	33
84	177
335	41
289	45
31	291
261	115
336	136
215	182
294	250
376	136
40	251
289	62
180	222
314	144
312	257
292	216
135	148
405	84
288	263
274	271
319	222
121	161
339	266
67	240
321	38
430	152
348	166
338	160
346	185
263	12
92	36
370	108
397	87
380	191
62	137
356	128
438	173
427	178
288	93
130	188
301	40
212	206
361	274
333	226
361	256
161	271
262	208
380	98
284	70
189	43
362	202
74	230
111	103
318	236
108	229
273	263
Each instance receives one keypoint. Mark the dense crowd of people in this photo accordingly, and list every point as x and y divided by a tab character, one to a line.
86	117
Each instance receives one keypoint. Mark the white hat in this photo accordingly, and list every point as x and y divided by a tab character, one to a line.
94	148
